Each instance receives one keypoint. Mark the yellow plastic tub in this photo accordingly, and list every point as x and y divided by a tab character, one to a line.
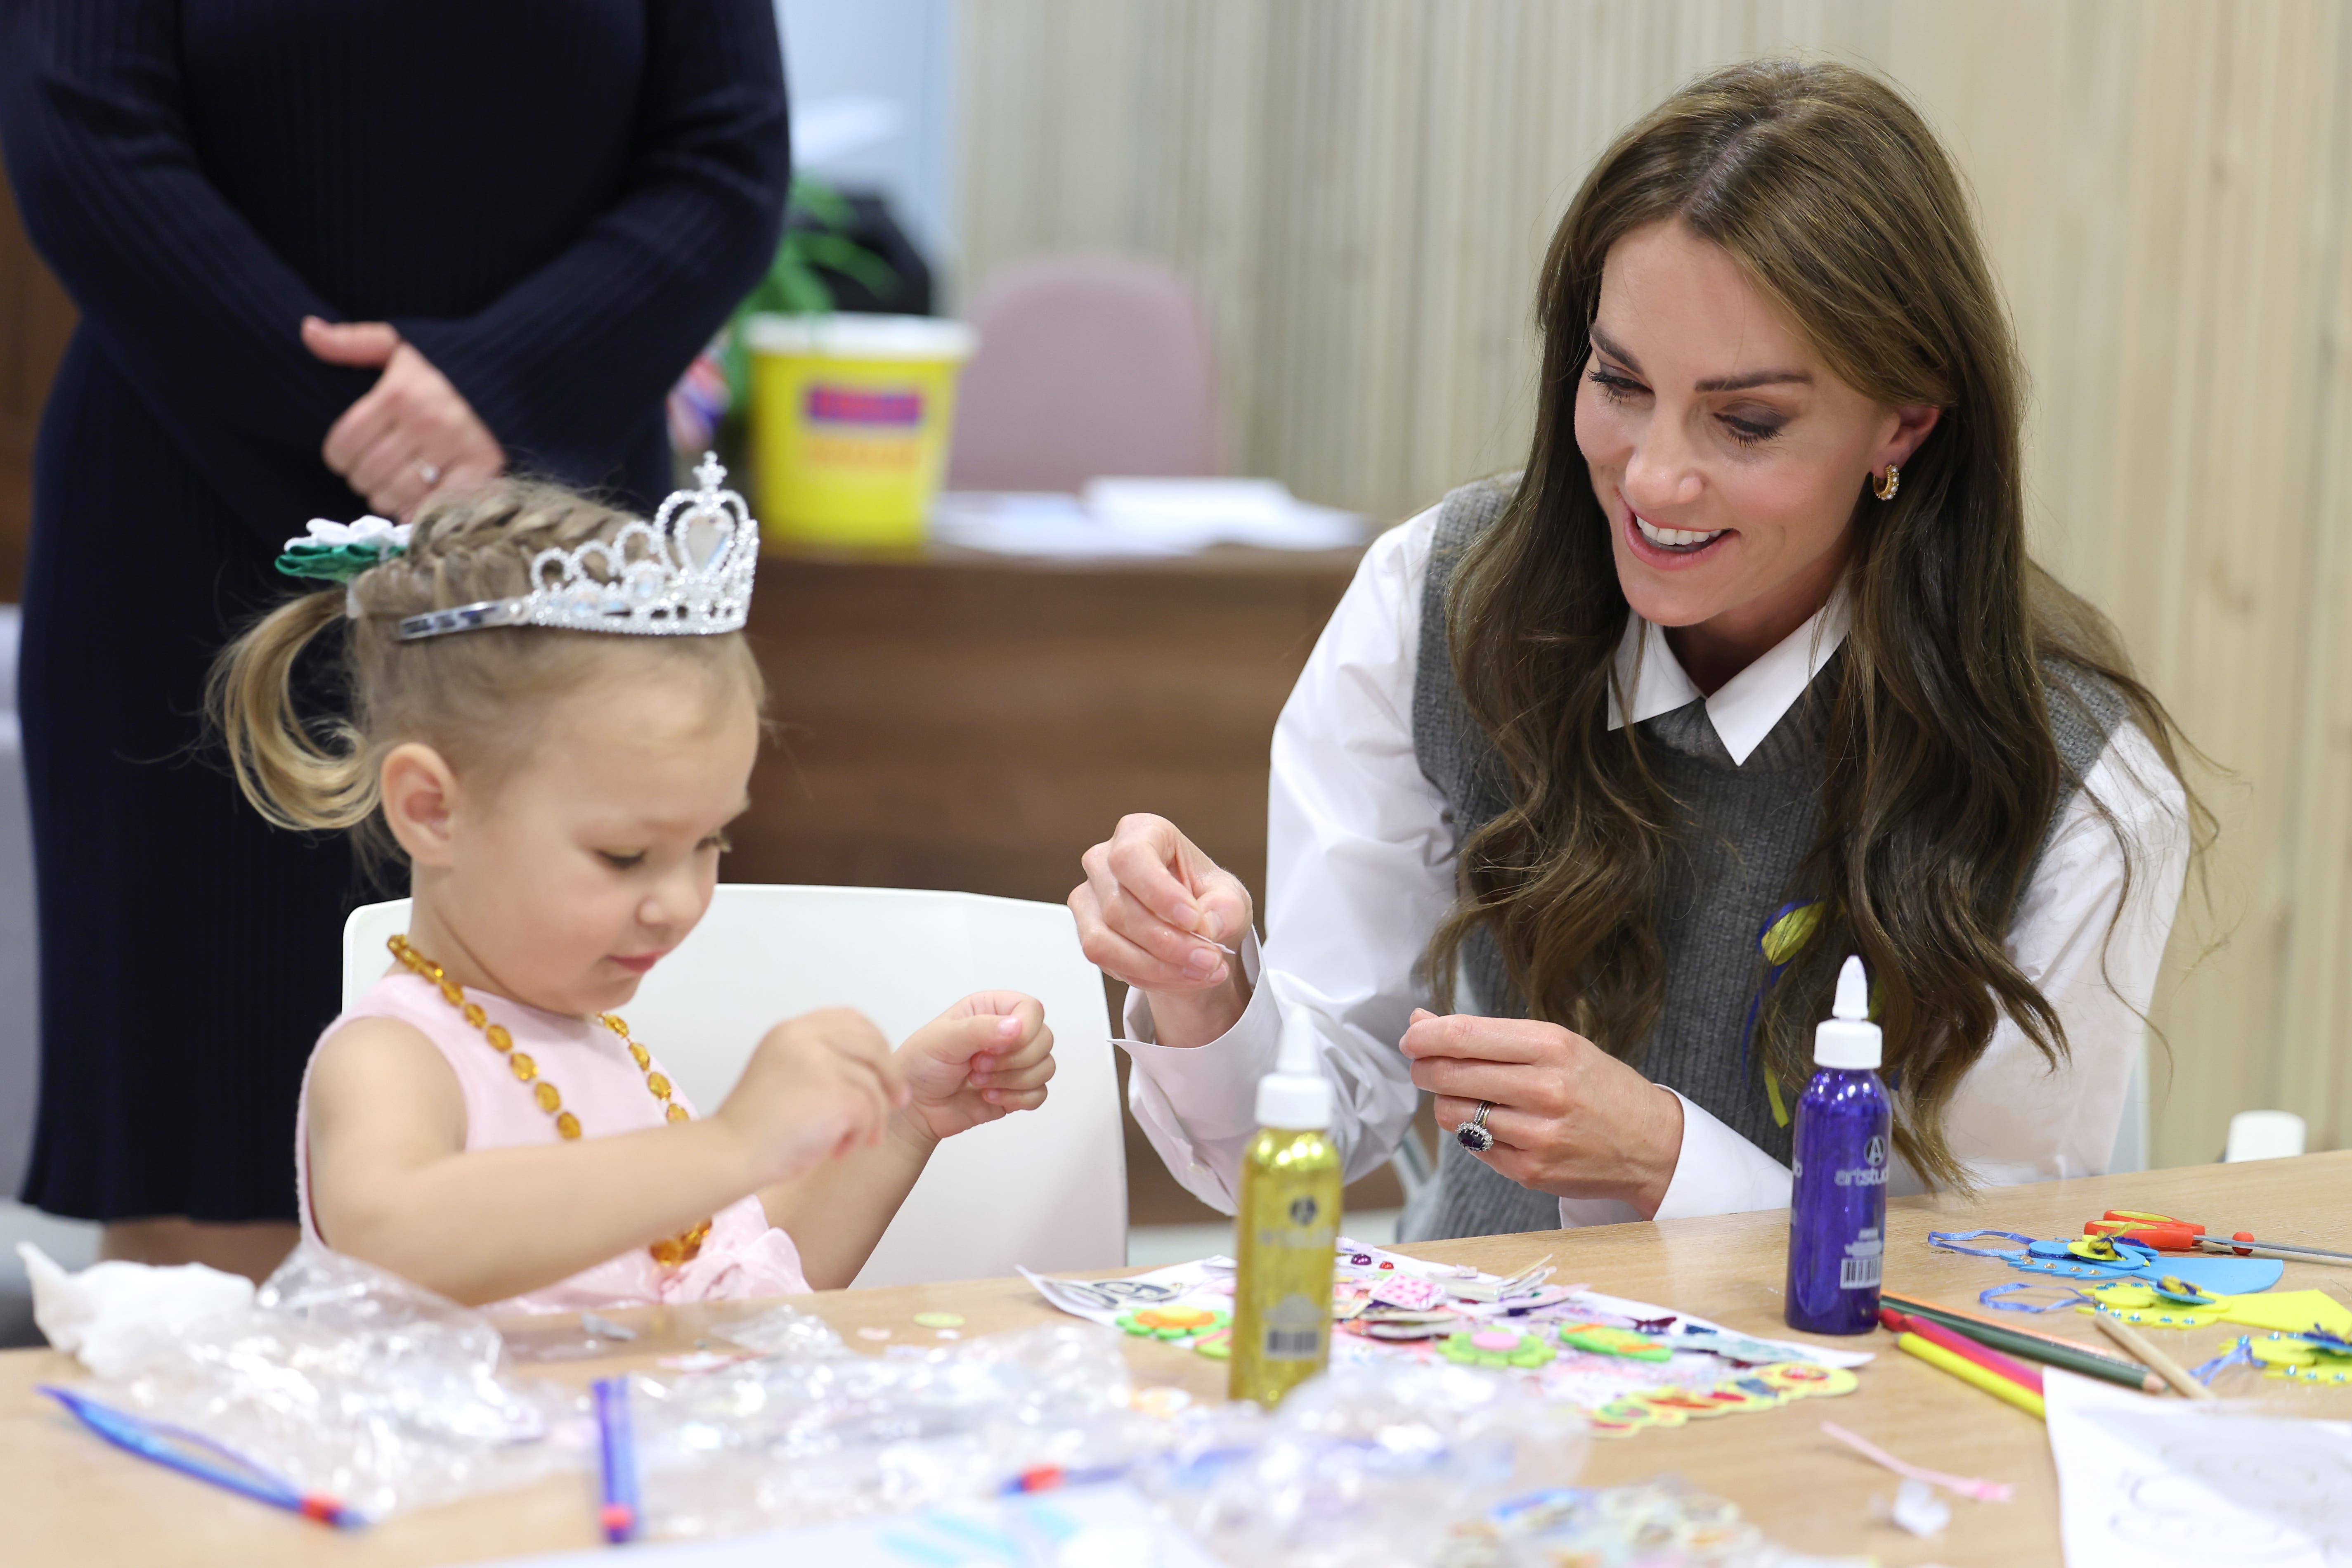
850	421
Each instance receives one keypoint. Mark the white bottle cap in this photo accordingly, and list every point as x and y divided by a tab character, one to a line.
1295	1095
1847	1038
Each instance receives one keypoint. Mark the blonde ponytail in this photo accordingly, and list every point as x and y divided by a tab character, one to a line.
284	770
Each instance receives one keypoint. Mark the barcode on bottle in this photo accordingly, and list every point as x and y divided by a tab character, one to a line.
1858	1273
1293	1344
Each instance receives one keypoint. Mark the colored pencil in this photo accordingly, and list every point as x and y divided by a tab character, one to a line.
1960	1344
2048	1349
199	1456
617	1450
1968	1371
2171	1371
1966	1320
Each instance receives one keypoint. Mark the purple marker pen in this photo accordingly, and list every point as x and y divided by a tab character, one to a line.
1837	1213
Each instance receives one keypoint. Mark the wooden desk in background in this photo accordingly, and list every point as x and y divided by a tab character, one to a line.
975	723
66	1498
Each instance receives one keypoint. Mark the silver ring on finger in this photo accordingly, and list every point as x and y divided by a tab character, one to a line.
428	471
1473	1134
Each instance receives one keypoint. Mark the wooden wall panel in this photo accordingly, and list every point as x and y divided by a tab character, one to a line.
1362	190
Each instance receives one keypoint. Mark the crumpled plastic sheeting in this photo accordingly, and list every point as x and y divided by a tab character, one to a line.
810	1438
1367	1466
1370	1464
783	1331
104	1315
353	1382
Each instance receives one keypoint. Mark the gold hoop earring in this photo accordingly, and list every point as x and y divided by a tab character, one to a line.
1885	488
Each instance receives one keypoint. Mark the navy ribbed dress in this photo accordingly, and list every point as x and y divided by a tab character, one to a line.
557	202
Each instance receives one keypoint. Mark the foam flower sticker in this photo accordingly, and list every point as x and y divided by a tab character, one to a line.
2176	1289
2320	1339
339	552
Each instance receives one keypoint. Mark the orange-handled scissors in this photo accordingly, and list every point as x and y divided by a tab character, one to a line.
2167	1233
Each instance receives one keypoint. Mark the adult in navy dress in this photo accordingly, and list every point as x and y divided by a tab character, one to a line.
521	219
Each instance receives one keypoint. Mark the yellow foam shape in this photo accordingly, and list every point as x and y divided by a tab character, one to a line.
2288	1311
2282	1311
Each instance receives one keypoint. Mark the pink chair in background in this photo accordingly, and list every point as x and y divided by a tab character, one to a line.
1088	365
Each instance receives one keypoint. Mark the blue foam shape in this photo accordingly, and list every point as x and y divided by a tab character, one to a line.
2215	1274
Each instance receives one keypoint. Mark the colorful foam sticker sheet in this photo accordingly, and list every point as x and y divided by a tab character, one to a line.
1628	1364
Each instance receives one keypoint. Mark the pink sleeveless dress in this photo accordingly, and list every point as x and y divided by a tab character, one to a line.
742	1256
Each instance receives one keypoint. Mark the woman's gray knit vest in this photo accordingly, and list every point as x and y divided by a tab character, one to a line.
1744	832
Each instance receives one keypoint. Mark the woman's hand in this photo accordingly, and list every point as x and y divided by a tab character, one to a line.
1155	912
816	1088
1568	1118
989	1055
414	434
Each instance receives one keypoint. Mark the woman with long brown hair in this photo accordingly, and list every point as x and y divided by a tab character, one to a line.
1614	761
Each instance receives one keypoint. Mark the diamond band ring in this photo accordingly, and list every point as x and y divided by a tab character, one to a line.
1473	1134
429	472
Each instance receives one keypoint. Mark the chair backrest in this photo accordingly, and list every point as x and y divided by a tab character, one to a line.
1046	1188
1088	365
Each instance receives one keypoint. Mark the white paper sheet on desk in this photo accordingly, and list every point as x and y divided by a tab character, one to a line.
2220	1485
1110	1526
1192	514
1120	518
1048	527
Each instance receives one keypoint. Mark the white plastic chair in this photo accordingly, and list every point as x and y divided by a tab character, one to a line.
1045	1188
2264	1135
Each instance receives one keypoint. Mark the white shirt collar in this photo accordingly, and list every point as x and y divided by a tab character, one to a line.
1745	708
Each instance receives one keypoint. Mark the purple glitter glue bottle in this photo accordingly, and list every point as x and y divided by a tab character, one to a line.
1837	1213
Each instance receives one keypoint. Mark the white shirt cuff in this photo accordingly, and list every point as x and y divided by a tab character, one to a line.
1720	1173
1198	1104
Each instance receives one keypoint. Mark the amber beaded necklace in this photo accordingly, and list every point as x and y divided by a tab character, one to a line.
671	1250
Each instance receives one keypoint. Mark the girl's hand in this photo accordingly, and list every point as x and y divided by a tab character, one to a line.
1152	912
414	434
817	1086
1569	1119
989	1054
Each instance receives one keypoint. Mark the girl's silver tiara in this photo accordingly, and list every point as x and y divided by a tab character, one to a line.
685	574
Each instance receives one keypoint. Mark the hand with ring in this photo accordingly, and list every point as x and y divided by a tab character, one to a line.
414	434
1547	1108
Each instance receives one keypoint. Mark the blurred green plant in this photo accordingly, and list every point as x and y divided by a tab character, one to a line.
794	285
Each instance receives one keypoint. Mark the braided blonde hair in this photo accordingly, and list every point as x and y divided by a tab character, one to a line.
473	696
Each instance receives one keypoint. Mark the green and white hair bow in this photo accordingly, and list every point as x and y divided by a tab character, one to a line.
339	552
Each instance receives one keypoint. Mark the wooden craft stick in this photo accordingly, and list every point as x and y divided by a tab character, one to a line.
2171	1371
1968	1371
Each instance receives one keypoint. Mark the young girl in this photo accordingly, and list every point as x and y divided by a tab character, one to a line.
554	715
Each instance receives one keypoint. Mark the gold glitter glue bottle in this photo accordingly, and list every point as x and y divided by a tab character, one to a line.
1288	1221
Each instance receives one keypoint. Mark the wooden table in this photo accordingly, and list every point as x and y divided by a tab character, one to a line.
64	1498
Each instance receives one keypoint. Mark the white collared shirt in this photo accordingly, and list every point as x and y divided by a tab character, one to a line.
1359	869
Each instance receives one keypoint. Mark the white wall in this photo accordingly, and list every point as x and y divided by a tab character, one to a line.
903	51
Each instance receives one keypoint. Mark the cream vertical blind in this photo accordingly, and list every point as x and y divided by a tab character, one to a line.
1362	189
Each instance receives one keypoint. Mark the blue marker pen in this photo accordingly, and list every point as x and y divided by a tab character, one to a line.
1837	1212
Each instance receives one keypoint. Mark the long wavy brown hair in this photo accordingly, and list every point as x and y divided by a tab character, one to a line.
1942	770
